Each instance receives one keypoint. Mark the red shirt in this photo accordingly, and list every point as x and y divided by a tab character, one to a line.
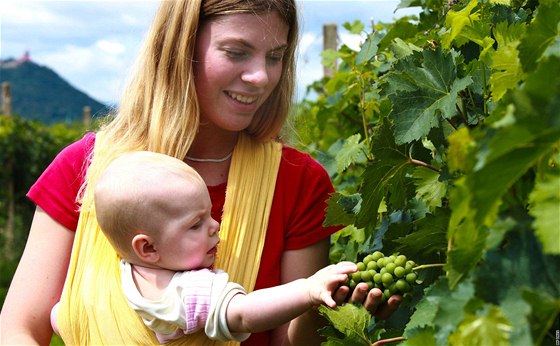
296	218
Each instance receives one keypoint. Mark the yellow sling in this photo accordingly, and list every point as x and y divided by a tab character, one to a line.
93	309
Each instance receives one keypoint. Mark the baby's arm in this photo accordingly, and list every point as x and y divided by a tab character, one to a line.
269	308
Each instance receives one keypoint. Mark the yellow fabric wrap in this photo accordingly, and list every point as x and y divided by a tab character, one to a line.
93	309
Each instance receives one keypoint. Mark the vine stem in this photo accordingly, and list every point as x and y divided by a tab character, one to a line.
424	266
424	164
388	341
363	115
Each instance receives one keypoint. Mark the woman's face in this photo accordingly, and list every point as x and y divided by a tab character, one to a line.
238	62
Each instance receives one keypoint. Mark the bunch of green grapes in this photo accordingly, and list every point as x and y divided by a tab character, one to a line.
391	274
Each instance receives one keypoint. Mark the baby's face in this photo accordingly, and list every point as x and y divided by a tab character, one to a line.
189	235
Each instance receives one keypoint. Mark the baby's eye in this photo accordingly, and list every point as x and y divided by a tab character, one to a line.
196	226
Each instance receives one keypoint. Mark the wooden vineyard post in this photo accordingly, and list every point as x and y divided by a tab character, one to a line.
329	42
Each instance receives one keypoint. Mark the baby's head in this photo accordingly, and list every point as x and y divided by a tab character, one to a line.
155	211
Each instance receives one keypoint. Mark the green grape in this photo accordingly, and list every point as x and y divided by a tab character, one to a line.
377	255
361	266
372	265
409	265
400	261
403	286
386	294
387	279
411	278
399	272
366	276
391	274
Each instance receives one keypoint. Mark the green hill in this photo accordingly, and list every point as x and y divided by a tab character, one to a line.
40	94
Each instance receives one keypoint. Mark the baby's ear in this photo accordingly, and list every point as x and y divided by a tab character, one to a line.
143	246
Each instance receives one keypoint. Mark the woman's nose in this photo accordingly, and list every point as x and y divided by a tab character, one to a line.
256	73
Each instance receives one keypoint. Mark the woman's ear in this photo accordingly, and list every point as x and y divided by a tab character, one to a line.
144	247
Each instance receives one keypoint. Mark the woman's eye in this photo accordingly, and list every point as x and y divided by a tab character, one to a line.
235	54
275	57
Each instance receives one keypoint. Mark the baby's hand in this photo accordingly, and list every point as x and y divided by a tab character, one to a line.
324	283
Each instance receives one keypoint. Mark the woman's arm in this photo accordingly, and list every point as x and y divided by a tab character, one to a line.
298	264
37	283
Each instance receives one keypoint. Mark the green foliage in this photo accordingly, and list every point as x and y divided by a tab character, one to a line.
458	110
26	149
349	325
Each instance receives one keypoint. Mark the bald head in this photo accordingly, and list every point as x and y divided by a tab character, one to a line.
134	188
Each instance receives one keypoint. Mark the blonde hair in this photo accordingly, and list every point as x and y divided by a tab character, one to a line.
159	109
133	189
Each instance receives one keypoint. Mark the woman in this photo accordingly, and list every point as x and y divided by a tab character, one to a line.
210	72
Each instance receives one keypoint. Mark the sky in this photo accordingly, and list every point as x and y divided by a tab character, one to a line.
93	43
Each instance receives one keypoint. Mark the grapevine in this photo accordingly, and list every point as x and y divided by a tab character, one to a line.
448	151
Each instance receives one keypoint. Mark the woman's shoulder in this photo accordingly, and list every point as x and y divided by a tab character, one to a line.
80	148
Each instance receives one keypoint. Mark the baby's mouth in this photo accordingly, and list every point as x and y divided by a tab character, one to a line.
213	250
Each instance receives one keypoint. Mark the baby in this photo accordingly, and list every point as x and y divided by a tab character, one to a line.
155	211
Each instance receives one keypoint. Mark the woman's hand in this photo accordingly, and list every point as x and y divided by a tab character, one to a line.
371	300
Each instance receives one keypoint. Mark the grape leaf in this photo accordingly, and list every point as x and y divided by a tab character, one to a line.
440	309
352	151
423	337
342	209
347	244
421	88
540	35
368	49
351	320
517	310
460	146
490	327
356	27
467	239
329	57
534	138
428	187
428	240
507	71
545	208
389	160
521	264
545	311
457	20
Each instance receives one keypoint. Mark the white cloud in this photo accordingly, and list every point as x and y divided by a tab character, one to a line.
92	44
113	48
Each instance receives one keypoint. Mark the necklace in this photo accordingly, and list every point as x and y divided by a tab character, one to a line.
223	159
